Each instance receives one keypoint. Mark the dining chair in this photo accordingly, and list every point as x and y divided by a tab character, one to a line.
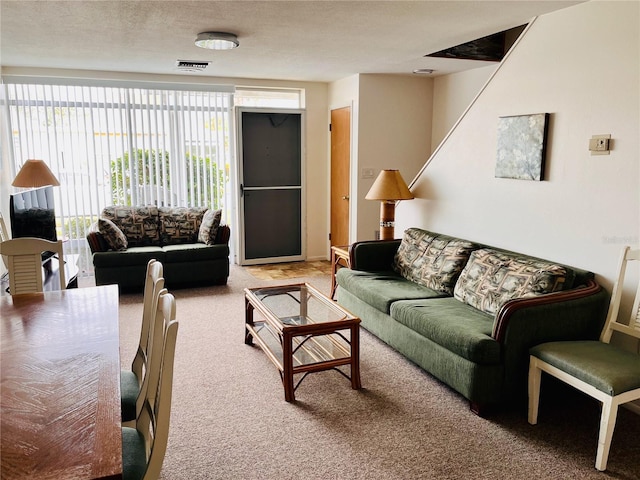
4	235
606	372
131	381
24	258
144	447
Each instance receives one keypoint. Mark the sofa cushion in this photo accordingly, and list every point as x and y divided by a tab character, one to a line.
492	278
194	252
209	227
112	234
432	260
179	224
130	257
381	289
451	324
139	224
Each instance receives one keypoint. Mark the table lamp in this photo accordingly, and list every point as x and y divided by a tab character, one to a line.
35	173
388	188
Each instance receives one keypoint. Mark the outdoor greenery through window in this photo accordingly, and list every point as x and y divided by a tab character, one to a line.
122	145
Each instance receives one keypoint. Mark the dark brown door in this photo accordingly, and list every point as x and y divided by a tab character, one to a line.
340	179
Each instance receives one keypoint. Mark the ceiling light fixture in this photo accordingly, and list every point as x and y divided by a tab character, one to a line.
423	71
217	40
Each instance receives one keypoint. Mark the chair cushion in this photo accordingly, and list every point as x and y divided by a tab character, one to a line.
134	456
431	259
491	278
209	227
606	367
451	324
114	237
129	390
381	289
179	224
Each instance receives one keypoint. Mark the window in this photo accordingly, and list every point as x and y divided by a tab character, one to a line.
123	145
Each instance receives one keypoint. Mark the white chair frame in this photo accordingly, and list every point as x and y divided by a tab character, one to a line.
610	403
24	259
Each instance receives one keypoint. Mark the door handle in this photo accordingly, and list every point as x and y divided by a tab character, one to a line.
345	197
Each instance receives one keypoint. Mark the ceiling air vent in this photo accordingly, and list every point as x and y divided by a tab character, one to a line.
191	66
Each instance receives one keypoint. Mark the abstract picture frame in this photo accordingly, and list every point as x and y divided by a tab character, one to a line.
522	146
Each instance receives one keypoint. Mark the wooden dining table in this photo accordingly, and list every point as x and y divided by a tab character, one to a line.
60	390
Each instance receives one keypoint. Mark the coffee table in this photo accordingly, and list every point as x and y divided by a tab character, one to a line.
302	331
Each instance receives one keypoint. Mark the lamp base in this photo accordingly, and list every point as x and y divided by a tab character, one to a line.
387	219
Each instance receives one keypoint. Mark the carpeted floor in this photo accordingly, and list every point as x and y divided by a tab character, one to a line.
230	421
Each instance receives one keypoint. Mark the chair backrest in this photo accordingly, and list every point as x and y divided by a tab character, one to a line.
4	235
153	419
153	284
632	327
24	258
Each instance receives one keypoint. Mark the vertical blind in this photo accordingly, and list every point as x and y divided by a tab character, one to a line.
127	146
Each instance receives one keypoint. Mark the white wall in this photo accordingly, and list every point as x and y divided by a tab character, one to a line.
581	65
394	131
452	94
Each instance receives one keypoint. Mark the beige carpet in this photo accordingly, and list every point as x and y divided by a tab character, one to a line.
230	420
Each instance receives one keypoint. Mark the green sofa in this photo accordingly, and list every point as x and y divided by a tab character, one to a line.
125	238
468	313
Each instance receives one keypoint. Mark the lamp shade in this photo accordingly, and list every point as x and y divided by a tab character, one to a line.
35	173
389	186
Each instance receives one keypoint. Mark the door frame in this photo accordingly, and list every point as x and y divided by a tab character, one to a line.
240	181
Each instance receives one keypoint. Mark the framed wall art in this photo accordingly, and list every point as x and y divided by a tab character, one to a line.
522	142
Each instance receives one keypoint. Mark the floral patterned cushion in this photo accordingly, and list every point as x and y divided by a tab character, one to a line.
209	227
492	278
139	224
432	260
179	225
112	234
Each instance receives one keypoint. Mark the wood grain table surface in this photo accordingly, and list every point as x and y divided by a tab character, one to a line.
60	391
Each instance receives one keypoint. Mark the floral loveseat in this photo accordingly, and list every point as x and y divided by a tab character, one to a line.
468	313
190	242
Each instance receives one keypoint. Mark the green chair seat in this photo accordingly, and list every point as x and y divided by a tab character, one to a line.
603	366
129	390
134	454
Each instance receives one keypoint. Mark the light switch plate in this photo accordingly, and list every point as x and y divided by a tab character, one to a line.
600	144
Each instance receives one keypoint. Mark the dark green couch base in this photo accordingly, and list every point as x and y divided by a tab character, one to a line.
184	265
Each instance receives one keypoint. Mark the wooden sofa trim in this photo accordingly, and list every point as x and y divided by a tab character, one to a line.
512	306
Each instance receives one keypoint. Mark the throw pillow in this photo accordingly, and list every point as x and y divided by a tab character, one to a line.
179	225
432	260
112	234
209	226
492	278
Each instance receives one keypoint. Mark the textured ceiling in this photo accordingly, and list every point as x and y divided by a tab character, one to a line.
294	40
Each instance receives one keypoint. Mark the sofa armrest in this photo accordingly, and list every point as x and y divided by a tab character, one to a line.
579	312
373	255
223	235
96	240
520	324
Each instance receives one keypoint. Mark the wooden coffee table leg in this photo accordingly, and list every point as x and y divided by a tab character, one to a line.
248	320
287	360
355	357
